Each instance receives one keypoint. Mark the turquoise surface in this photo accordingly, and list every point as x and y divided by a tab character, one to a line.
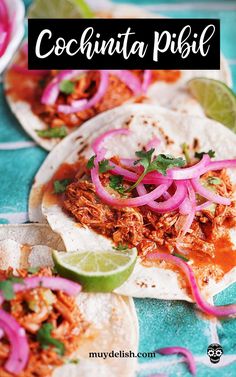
162	323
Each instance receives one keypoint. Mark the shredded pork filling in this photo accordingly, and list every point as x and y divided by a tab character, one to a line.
147	230
32	309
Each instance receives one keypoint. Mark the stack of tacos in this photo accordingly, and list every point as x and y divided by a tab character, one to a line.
141	173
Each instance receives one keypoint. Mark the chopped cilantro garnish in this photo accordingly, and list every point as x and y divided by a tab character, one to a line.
59	132
180	256
74	361
104	166
60	186
6	286
116	183
161	164
45	339
67	87
120	247
185	149
90	163
214	181
210	153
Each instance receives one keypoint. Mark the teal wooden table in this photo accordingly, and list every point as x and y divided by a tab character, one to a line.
162	323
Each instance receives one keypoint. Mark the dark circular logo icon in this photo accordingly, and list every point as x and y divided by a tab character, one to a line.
215	351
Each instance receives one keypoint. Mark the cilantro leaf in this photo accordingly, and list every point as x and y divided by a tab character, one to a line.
116	183
60	185
120	247
104	166
90	163
44	337
67	87
164	162
50	133
214	181
6	286
180	256
161	164
210	153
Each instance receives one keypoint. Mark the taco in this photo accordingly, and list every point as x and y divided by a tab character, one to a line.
183	206
48	326
49	104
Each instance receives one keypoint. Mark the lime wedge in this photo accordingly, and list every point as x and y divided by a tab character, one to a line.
217	100
96	271
60	9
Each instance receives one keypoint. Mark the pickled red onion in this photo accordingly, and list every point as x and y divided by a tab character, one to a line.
217	311
170	204
98	142
129	79
210	195
5	27
78	105
19	352
147	79
183	351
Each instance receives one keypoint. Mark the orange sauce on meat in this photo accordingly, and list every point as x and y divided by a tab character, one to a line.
169	76
65	171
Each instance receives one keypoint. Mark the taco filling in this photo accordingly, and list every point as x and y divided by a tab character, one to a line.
40	322
154	202
64	100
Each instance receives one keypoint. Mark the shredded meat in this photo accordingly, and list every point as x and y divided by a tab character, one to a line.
61	311
146	229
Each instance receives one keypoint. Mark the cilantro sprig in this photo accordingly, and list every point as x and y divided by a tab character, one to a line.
120	247
181	257
45	339
57	132
161	164
60	185
116	183
103	166
67	87
7	287
210	153
214	181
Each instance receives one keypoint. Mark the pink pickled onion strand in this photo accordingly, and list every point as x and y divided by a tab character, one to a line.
219	165
77	106
190	216
147	79
54	283
129	162
6	28
153	143
100	140
210	195
203	205
170	204
185	173
217	311
19	352
185	207
183	351
129	79
132	202
52	90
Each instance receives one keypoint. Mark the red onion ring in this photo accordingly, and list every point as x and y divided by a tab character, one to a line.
131	81
183	351
169	205
77	106
147	79
19	352
100	140
213	197
217	311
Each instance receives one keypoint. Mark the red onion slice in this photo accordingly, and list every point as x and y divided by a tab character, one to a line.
129	79
19	352
100	140
213	197
79	106
147	79
183	351
170	204
217	311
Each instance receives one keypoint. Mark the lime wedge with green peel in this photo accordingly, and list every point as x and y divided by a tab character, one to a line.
96	271
60	9
217	100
